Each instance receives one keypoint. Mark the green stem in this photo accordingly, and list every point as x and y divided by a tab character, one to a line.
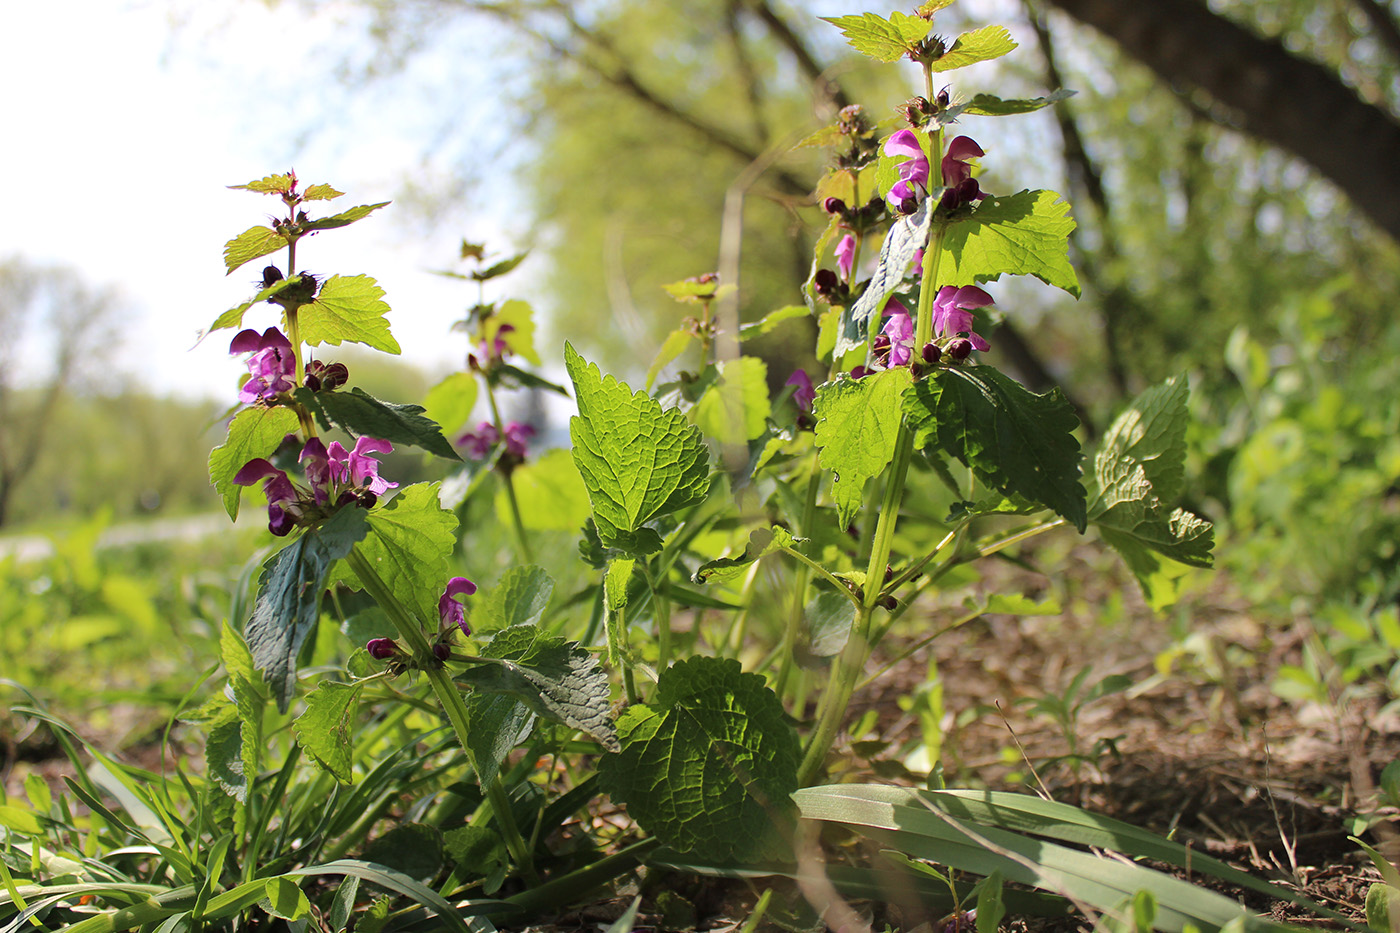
832	708
831	578
799	584
661	613
451	699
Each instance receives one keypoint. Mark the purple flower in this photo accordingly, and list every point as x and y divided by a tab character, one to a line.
900	329
278	489
479	442
381	649
803	395
316	461
952	312
452	611
517	436
496	349
273	364
957	173
358	468
845	256
912	172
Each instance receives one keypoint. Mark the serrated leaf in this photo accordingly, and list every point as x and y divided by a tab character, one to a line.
904	239
323	728
410	545
343	218
549	492
772	321
249	698
520	598
497	724
638	461
223	756
1139	470
233	317
500	268
885	40
554	677
249	245
1020	234
289	597
269	184
415	849
676	343
362	415
320	193
253	433
980	45
989	105
762	542
709	767
450	402
735	408
348	308
1018	442
857	423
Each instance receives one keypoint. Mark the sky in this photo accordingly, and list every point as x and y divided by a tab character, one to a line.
126	121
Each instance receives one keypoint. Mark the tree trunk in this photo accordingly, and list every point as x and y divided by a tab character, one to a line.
1296	104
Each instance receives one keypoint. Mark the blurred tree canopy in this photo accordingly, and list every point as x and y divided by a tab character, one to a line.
1219	159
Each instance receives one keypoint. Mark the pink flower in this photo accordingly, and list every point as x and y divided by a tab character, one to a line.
952	312
273	364
957	173
899	327
452	611
358	468
278	489
517	436
912	172
845	256
479	442
803	395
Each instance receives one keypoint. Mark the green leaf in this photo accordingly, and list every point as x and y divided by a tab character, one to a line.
762	542
517	378
885	40
990	906
320	193
233	317
323	729
520	598
289	597
249	698
519	315
249	245
1018	442
410	545
223	754
710	766
829	618
348	308
1020	234
675	344
904	239
857	423
773	321
253	433
344	218
637	461
735	408
362	415
1139	470
269	184
556	678
550	493
450	402
497	269
989	105
980	45
497	724
415	849
283	898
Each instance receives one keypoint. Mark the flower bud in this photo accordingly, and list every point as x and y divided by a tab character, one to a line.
931	353
881	343
959	349
441	651
888	603
382	649
858	372
271	275
908	205
367	499
834	206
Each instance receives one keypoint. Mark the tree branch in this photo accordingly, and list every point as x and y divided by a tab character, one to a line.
826	86
1269	93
